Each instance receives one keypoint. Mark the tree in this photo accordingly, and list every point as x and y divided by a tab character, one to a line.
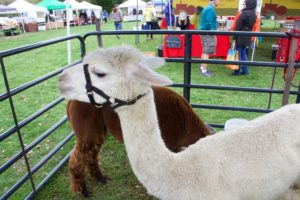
106	4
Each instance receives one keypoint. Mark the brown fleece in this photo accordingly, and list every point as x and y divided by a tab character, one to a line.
180	126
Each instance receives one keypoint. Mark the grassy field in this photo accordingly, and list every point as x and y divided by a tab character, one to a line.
27	66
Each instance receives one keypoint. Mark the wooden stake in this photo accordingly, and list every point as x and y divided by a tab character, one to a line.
291	67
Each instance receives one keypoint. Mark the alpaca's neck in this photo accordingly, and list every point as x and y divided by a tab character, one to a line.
146	150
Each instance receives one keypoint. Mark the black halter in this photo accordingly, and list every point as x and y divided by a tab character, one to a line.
112	102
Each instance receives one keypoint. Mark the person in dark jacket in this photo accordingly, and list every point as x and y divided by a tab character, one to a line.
245	22
183	21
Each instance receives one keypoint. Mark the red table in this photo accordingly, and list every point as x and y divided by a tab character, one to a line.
223	44
283	50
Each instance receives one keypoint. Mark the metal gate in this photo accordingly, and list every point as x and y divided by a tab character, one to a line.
186	85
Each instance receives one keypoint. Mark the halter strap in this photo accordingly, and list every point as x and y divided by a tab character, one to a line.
112	102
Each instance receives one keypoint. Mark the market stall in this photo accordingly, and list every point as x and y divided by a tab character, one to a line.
29	10
55	8
132	10
8	26
174	46
92	9
75	10
283	44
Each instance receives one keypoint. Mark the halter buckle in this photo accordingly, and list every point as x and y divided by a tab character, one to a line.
98	106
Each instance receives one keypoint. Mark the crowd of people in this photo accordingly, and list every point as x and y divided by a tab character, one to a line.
206	19
202	19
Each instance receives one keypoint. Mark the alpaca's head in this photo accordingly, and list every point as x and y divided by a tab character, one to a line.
121	72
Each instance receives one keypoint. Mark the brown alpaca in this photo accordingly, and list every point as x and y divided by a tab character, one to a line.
180	126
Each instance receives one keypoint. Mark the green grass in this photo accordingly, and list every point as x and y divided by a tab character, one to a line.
123	184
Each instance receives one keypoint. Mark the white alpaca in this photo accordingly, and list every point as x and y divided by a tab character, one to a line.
260	160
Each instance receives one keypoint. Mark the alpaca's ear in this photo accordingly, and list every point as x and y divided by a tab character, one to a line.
154	62
152	77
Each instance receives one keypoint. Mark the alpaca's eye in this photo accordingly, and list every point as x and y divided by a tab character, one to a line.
100	75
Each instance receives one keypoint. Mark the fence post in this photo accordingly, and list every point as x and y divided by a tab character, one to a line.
290	68
187	66
98	28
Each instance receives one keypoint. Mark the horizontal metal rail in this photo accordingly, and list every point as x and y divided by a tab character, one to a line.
34	169
215	61
52	172
192	32
39	139
217	125
30	118
32	83
187	60
232	108
18	125
37	45
234	88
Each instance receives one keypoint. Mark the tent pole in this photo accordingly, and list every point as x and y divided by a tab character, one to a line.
55	19
68	32
137	18
253	50
170	14
91	15
24	31
162	15
48	16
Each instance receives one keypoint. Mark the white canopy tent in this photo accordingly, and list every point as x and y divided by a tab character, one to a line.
6	10
30	10
131	8
91	7
76	7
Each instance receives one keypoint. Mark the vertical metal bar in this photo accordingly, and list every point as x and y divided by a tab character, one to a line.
291	67
51	174
82	46
187	66
16	122
137	36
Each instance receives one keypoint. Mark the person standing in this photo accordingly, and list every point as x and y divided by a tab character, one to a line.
149	18
183	21
117	17
195	20
247	20
208	21
105	16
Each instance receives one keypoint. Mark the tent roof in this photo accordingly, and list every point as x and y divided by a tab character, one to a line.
132	3
90	6
76	5
158	2
24	6
7	9
52	4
